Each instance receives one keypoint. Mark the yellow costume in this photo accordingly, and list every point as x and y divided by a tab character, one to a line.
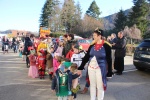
42	45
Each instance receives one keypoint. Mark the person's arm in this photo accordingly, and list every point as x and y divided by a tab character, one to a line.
108	54
85	59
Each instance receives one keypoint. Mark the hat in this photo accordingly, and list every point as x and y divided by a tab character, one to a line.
76	46
67	64
99	31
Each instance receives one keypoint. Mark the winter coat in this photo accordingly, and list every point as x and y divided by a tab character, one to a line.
28	43
120	47
67	47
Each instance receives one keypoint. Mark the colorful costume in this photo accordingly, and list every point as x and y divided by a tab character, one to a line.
41	63
62	83
33	71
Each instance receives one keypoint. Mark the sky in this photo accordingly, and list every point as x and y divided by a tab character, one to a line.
25	14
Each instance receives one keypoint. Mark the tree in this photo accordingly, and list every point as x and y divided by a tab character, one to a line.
93	10
68	15
47	12
120	21
138	15
89	24
78	20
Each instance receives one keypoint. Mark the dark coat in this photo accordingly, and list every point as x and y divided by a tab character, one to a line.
27	44
68	47
113	41
120	47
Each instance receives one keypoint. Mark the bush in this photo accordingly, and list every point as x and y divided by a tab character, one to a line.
130	48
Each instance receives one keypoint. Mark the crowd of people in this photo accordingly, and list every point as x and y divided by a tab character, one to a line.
64	61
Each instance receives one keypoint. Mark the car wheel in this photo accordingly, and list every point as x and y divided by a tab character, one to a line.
139	68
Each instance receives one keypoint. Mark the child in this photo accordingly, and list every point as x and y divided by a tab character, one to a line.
55	61
78	55
75	82
60	48
49	61
71	52
41	63
61	82
33	71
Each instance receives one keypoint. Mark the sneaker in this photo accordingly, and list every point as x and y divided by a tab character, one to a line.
109	76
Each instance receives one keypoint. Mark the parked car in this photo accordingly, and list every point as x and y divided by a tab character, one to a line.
141	58
85	43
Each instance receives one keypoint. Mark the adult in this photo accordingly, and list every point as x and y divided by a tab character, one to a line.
113	40
99	57
29	40
5	44
68	44
120	53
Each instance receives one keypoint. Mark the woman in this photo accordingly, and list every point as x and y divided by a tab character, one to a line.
99	57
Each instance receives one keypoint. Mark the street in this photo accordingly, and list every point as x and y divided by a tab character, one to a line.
16	85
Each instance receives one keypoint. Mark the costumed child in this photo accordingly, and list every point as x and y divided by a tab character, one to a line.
71	52
78	55
41	63
55	62
75	81
33	71
62	82
21	48
49	61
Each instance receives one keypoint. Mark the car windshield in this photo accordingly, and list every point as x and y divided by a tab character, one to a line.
82	41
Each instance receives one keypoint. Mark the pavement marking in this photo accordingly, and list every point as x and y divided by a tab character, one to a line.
131	70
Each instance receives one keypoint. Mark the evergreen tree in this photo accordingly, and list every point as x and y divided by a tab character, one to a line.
78	20
68	15
47	12
93	10
120	21
138	15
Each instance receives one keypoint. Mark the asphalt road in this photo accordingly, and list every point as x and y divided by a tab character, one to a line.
16	85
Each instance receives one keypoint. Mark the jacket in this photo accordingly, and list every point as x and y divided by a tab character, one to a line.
120	47
27	44
67	47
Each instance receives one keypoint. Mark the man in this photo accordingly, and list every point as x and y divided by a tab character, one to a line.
113	40
29	42
120	53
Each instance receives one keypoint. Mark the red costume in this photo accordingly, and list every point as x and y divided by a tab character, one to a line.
41	63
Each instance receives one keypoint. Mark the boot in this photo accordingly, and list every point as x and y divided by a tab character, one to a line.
85	90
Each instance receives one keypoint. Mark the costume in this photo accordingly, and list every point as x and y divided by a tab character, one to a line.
42	45
41	63
33	71
99	57
62	83
69	54
49	61
77	58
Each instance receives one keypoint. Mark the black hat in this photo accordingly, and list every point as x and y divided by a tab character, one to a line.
76	46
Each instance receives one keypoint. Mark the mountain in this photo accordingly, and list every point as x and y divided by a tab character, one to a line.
109	20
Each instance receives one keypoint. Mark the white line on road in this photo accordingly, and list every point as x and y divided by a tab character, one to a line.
132	70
